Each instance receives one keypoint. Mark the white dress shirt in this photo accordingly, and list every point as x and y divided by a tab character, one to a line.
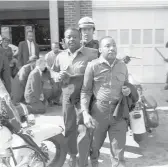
31	48
14	49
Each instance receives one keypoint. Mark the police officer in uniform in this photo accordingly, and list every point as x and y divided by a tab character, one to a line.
87	28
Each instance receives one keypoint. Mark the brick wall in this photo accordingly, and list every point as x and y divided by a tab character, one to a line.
86	8
74	10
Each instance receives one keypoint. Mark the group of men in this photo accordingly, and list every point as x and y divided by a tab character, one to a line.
28	84
94	85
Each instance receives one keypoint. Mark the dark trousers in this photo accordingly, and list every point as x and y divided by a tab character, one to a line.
77	135
53	93
17	91
38	107
102	113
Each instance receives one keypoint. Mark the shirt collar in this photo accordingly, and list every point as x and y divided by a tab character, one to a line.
103	60
39	71
80	50
29	41
89	41
55	53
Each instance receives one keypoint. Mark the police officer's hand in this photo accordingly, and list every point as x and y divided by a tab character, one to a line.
88	120
126	91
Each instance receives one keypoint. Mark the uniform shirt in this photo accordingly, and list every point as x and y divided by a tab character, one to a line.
31	48
50	58
92	44
103	80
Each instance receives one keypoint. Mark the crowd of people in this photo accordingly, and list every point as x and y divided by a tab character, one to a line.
91	80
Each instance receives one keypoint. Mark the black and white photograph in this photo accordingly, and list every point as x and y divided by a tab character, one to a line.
83	83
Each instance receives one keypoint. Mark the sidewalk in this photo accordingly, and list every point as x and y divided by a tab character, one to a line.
153	151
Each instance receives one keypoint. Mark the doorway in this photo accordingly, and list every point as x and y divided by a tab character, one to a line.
18	34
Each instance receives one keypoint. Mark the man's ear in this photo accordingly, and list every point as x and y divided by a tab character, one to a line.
100	50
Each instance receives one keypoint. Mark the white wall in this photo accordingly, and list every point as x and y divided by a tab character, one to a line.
151	68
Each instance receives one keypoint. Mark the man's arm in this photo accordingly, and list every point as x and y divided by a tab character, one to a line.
15	50
6	74
20	56
127	75
35	82
55	69
134	93
87	88
48	61
38	50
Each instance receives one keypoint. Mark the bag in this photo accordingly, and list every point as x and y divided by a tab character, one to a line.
152	118
149	101
151	114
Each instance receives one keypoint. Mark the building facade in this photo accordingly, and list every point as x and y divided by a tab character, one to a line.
137	26
48	19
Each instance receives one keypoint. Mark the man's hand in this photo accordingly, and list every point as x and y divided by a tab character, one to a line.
62	75
126	91
88	120
63	44
42	97
32	57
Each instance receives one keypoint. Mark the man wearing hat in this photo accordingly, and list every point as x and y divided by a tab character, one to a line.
87	28
20	81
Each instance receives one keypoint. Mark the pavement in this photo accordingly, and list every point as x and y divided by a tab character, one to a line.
152	151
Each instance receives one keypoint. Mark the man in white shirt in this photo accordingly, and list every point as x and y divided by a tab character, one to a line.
27	49
14	48
51	56
53	92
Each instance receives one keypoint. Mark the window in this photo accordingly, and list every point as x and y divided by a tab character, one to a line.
101	34
113	33
124	37
136	36
147	36
159	36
